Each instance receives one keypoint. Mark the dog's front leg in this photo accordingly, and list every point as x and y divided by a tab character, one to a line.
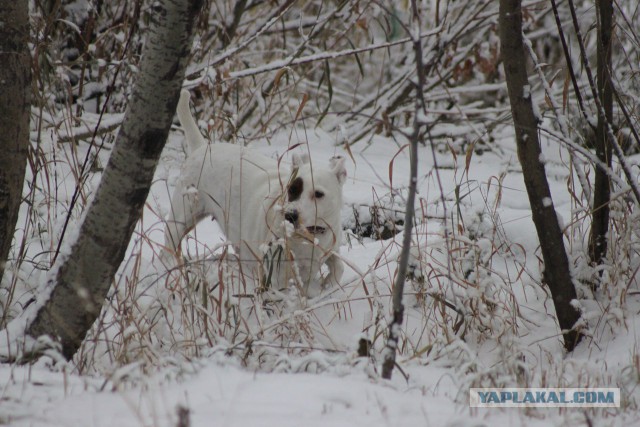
336	268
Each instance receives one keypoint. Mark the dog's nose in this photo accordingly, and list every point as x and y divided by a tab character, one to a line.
291	216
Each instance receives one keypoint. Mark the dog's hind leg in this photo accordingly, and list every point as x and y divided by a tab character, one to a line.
186	211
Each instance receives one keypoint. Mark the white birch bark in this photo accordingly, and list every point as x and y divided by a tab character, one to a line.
84	277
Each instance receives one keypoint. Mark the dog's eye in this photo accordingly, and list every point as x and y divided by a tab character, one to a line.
319	194
295	189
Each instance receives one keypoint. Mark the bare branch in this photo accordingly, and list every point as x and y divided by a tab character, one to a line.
389	355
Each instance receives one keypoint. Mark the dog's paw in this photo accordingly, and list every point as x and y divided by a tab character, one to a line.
336	268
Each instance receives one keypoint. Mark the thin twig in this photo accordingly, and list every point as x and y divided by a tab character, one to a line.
609	129
389	355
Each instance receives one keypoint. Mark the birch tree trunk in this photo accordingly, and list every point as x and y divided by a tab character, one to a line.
556	274
15	100
84	276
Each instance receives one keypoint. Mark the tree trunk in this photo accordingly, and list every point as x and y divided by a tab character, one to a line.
556	272
602	189
15	104
85	274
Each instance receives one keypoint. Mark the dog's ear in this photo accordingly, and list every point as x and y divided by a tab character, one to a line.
299	159
337	166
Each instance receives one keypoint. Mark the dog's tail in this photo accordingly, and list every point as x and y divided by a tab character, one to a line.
191	130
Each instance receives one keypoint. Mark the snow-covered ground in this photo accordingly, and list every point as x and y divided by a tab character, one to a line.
297	365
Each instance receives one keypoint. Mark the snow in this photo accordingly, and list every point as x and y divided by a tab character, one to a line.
203	342
330	385
229	396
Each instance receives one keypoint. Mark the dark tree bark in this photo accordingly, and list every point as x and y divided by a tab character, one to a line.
84	275
556	272
15	103
602	186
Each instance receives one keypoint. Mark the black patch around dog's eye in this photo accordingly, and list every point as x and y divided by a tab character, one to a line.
295	189
318	194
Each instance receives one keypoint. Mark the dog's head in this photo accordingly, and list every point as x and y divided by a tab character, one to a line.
314	197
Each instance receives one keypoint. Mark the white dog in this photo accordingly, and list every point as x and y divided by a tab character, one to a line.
283	224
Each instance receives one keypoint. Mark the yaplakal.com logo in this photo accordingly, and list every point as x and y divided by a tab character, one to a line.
544	397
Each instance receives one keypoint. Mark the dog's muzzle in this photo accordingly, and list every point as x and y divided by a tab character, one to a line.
316	229
292	217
